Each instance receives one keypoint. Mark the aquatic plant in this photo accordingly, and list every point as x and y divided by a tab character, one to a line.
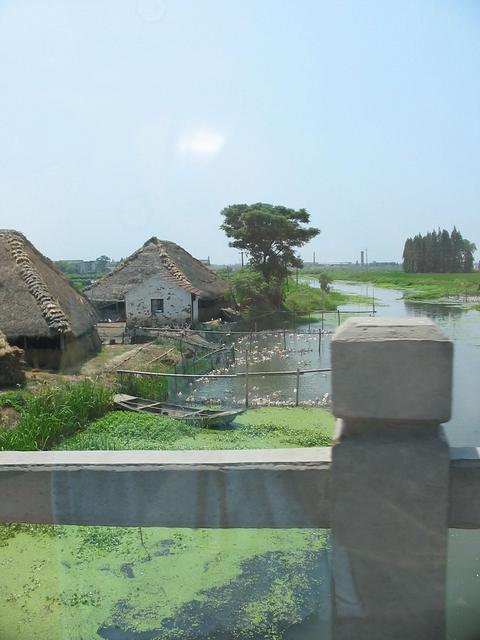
285	428
56	412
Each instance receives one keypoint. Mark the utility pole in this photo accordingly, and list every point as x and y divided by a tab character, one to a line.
366	259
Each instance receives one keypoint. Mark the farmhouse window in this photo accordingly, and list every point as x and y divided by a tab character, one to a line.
157	305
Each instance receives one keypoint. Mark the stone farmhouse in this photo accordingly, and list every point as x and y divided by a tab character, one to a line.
161	284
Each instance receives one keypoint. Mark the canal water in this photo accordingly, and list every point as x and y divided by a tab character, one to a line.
267	353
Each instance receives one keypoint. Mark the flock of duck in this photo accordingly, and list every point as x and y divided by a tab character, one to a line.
259	349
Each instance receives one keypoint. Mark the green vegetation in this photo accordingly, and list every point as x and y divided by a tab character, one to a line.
69	582
151	387
80	281
252	294
438	252
416	286
303	298
268	428
53	413
14	399
270	236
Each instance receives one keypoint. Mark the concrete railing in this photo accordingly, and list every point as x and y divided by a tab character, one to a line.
388	489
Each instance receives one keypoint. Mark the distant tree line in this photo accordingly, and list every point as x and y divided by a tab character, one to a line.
438	252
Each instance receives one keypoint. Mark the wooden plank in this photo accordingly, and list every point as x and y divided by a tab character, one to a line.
123	397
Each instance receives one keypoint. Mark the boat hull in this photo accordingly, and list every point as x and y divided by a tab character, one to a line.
193	415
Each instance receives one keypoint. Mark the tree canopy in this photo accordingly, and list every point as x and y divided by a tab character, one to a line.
269	234
438	252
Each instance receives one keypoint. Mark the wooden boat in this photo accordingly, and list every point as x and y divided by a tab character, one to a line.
198	415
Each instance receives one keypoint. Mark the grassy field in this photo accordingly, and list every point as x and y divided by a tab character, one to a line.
304	299
416	286
79	583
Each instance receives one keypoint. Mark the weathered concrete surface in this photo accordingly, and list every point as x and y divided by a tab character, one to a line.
391	369
390	479
27	489
389	501
464	502
222	489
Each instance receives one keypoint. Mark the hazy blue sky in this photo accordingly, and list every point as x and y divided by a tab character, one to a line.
124	119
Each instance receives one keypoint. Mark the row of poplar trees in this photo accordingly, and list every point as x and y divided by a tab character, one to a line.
438	252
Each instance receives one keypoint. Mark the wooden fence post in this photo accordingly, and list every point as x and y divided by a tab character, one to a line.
319	340
284	340
246	379
297	388
391	390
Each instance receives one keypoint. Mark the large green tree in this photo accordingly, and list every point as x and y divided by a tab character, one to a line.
439	252
270	236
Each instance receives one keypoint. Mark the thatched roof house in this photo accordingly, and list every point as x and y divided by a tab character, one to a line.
40	310
159	284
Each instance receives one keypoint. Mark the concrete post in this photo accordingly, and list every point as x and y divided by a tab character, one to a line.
391	389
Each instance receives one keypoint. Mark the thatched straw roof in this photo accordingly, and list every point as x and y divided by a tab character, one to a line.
36	299
158	257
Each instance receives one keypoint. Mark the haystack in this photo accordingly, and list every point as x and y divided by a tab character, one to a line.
11	364
40	311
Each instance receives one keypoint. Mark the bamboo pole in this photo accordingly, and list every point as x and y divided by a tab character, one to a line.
319	340
241	374
159	357
297	388
241	333
246	379
284	340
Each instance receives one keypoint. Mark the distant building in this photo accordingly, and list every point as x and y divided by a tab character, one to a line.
40	311
160	284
